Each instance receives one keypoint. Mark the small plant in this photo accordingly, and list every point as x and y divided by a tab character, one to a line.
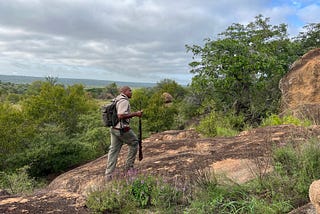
142	190
109	200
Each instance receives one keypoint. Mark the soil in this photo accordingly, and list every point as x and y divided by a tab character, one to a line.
178	156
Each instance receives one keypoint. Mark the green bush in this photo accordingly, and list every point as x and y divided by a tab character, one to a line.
158	115
51	151
128	195
59	105
301	165
217	124
113	199
274	120
93	133
16	133
18	181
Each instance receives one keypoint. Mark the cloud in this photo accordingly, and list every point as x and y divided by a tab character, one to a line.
128	40
310	13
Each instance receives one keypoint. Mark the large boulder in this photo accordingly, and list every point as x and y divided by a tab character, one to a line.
314	195
167	97
300	87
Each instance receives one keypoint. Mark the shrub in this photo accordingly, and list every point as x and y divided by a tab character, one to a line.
18	181
51	151
218	124
274	120
111	199
295	167
129	194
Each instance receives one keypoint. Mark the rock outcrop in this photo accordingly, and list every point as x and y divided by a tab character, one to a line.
167	97
314	195
300	87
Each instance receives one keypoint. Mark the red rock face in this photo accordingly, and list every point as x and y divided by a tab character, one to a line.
300	87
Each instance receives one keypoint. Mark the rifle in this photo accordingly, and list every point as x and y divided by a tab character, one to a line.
140	137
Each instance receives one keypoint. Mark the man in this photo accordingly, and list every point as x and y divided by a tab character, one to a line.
122	133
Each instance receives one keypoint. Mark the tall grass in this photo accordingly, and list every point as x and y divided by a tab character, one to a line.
136	194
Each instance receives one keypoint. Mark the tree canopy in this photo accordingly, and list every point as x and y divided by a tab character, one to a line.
240	70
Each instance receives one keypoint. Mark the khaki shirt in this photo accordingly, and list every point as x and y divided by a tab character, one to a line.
123	107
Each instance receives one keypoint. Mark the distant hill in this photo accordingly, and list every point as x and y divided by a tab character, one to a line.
69	81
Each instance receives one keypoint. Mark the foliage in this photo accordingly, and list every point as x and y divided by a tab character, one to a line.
12	92
142	190
112	89
296	166
18	181
217	124
111	199
171	87
273	120
232	199
16	132
241	69
191	104
159	116
53	129
133	193
108	92
58	105
35	87
309	38
91	132
51	151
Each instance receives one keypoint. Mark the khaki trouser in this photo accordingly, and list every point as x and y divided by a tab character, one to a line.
117	140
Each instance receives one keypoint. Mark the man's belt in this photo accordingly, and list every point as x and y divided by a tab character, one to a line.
124	129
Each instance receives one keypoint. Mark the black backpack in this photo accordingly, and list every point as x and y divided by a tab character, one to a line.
109	114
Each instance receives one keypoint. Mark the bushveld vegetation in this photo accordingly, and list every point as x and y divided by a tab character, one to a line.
47	128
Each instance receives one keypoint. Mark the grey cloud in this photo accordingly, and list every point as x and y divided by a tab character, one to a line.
144	40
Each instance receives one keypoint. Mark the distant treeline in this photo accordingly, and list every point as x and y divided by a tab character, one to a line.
69	81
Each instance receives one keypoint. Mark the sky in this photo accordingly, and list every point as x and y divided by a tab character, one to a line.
126	40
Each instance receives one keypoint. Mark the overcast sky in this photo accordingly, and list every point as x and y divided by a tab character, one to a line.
126	40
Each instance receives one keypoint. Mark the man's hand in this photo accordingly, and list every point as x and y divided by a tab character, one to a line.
138	113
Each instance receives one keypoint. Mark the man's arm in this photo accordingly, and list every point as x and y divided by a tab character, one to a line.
131	115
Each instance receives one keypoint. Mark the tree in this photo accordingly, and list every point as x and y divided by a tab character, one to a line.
16	132
158	115
171	87
309	39
52	80
58	105
241	69
112	88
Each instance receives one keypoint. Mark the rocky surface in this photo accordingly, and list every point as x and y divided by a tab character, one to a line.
300	87
174	155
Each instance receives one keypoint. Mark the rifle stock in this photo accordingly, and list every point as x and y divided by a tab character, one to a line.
140	138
